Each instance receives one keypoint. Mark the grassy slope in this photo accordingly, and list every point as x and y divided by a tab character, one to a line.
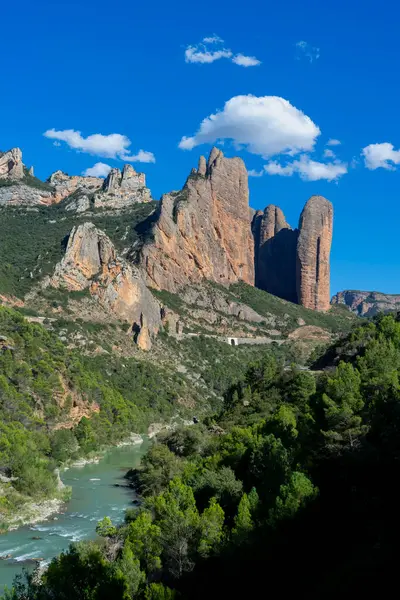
338	319
32	241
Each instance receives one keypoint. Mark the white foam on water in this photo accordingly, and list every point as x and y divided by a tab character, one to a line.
26	556
13	550
95	479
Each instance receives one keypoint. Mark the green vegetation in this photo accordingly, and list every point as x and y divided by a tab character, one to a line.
291	485
338	319
24	262
34	182
40	381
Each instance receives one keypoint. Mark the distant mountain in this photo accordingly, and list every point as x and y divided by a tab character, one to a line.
367	304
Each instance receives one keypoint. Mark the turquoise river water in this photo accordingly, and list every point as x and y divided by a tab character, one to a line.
94	496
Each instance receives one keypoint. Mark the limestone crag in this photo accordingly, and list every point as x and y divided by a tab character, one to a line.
294	264
275	253
90	262
11	165
24	195
313	251
203	231
122	189
367	304
65	185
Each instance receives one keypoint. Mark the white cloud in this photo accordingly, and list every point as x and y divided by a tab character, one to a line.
213	39
329	153
114	145
266	125
308	169
274	168
254	173
381	156
246	61
142	156
333	142
200	54
305	50
98	170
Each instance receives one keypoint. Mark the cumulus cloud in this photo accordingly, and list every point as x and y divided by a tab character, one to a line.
142	156
213	39
333	142
246	61
264	125
381	156
202	53
98	170
305	50
254	173
329	153
114	145
308	169
274	168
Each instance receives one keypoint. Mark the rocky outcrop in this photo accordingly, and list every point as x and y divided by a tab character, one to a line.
203	231
24	195
313	252
11	165
294	264
367	304
65	185
90	262
120	190
275	253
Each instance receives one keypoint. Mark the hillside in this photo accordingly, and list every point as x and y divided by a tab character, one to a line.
367	304
290	471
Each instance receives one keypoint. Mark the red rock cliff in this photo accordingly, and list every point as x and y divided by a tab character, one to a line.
203	231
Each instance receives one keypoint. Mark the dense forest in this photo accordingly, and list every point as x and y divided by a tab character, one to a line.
290	489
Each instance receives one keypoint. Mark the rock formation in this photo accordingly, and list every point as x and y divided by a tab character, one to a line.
65	185
275	253
294	264
90	262
11	165
367	304
313	251
203	231
119	190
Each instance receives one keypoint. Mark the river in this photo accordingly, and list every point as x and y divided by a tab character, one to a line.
94	496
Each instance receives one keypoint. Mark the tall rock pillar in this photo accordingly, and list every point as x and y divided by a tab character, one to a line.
313	252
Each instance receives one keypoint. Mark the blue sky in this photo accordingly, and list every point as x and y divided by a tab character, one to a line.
119	68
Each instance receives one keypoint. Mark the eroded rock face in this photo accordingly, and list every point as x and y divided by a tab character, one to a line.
203	231
123	189
119	190
65	185
275	253
313	251
91	261
367	304
11	165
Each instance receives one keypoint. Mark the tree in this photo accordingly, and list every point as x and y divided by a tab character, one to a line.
105	528
243	522
211	528
293	496
144	538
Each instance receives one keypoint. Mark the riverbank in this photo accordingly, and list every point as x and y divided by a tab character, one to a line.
98	490
33	511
